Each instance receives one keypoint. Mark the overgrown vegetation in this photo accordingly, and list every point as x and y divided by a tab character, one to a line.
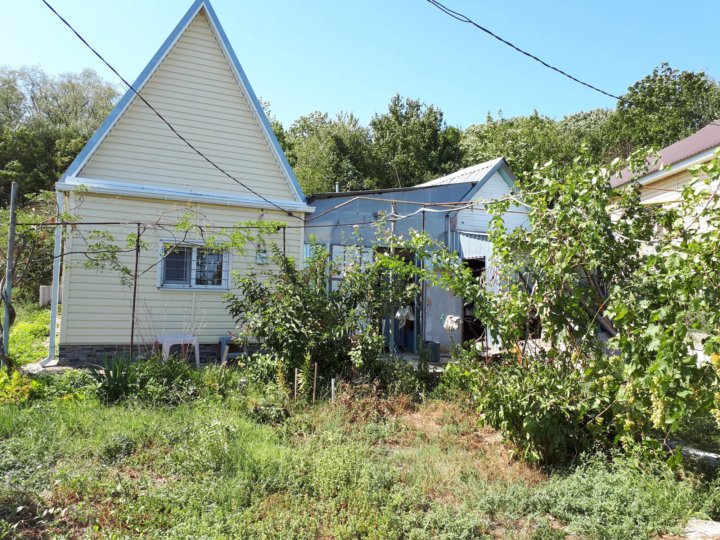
303	322
214	465
595	262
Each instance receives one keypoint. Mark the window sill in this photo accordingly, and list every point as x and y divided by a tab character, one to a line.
194	289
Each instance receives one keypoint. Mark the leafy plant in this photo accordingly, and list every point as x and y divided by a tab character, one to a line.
114	378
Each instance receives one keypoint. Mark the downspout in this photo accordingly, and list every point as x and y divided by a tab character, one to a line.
55	284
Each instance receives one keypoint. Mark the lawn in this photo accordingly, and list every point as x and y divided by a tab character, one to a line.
252	465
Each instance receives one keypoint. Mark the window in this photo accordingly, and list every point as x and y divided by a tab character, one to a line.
192	267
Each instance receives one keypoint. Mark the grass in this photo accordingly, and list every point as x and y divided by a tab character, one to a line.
29	335
364	468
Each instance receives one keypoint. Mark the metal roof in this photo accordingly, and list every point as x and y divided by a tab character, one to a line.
468	174
700	141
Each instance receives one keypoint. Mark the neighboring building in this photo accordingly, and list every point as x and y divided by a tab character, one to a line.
450	209
136	169
664	186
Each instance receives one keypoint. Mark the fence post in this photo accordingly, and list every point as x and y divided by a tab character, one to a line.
134	296
332	391
296	383
9	271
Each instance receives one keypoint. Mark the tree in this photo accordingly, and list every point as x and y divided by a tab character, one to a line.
525	141
44	122
412	143
324	151
662	108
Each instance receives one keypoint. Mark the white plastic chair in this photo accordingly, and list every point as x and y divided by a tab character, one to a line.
166	341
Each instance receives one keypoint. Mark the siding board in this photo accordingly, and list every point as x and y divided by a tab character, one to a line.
97	307
195	89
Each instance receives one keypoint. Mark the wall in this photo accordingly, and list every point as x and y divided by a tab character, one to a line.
97	308
195	89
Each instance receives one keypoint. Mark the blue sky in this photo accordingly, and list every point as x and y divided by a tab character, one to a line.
353	55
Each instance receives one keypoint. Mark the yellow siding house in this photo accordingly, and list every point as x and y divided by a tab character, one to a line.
135	169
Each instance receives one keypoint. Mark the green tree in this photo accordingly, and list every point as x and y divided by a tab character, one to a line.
412	143
662	108
324	151
44	122
525	141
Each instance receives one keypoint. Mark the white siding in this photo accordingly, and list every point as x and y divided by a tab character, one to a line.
97	308
477	219
195	89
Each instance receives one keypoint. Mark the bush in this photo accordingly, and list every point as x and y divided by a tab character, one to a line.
114	379
540	408
170	381
15	387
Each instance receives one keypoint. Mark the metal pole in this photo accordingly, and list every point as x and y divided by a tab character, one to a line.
134	297
332	390
284	241
9	270
296	383
57	263
393	217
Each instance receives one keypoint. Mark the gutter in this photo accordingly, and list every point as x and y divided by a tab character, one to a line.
57	249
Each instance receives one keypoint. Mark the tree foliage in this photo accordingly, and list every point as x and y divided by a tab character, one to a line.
663	107
44	123
412	143
595	265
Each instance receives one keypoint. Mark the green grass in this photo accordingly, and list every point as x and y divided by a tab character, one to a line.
29	334
365	468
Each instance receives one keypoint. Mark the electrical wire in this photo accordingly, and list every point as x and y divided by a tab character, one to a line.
465	19
161	117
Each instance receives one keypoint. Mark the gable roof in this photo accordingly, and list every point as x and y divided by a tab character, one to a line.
684	150
475	174
198	7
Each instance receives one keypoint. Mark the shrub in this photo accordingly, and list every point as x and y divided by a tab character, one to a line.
15	387
114	378
160	381
539	407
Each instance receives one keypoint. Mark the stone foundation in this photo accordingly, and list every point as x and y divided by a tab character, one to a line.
85	355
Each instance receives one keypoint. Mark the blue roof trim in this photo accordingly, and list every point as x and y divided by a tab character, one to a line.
501	167
256	103
150	68
138	84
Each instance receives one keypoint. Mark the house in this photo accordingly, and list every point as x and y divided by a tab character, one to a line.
135	169
451	210
664	186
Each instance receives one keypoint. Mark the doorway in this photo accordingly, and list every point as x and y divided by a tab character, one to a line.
473	329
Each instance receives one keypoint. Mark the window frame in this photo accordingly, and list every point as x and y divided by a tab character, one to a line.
191	285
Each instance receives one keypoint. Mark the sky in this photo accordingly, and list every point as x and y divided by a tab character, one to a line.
354	55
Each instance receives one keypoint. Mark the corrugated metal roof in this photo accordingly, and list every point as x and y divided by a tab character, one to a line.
468	174
704	139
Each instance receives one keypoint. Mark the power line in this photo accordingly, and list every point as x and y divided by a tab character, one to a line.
465	19
161	117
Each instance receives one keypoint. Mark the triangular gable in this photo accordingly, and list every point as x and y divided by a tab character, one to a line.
502	169
197	83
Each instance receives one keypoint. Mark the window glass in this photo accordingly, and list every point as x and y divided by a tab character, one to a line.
209	268
177	266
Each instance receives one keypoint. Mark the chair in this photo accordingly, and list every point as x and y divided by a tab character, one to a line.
166	341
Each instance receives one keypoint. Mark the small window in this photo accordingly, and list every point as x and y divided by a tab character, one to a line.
193	267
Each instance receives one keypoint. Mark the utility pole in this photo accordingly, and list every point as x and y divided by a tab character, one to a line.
393	219
9	271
